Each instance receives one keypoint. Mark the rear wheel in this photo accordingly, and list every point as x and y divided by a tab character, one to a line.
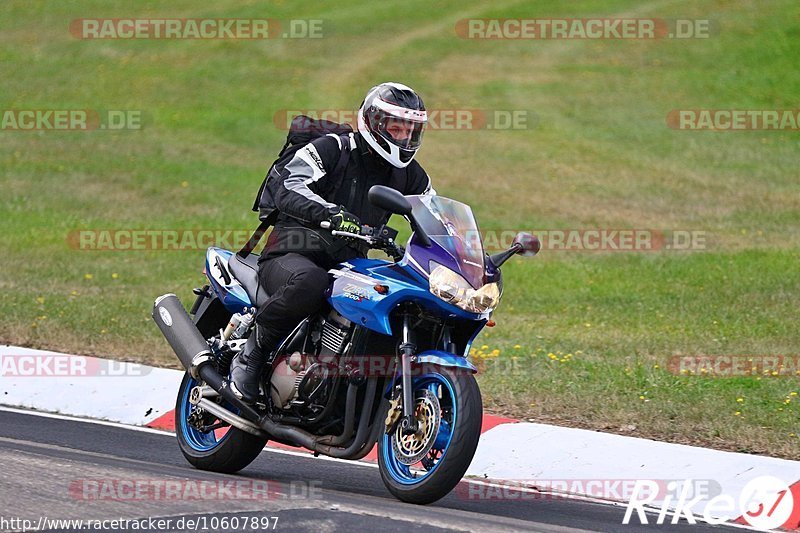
218	449
424	467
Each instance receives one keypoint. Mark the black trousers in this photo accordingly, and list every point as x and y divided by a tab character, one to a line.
296	286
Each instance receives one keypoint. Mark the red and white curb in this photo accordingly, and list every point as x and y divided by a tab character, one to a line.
558	461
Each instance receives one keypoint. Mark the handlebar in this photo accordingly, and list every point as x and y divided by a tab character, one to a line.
385	243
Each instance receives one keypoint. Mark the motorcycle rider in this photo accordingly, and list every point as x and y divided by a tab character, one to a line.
293	268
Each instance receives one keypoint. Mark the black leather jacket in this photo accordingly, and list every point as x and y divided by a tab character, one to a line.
306	194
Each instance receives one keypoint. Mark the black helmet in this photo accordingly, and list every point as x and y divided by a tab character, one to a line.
392	120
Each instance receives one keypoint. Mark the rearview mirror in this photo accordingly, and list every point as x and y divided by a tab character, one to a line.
524	244
389	199
527	245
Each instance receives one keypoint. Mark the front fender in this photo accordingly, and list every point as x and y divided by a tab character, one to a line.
431	357
442	358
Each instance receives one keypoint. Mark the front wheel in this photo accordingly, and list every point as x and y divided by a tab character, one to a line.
218	449
424	467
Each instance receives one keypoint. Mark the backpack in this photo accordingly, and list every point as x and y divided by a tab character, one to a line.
302	131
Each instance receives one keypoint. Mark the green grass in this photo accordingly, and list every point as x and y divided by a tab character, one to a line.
600	156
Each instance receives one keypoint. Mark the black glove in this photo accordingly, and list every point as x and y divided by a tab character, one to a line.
344	221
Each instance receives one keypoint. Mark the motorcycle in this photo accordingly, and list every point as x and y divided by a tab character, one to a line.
385	362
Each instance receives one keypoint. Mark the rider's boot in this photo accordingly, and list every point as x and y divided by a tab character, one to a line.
246	367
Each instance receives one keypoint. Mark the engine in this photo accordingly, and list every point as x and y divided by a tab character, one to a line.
299	379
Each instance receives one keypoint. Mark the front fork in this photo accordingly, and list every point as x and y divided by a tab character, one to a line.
408	424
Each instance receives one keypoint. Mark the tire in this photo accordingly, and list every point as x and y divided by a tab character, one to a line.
438	480
226	454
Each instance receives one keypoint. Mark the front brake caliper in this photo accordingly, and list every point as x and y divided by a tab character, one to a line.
395	409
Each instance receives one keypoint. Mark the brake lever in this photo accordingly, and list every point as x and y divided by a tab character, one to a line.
349	235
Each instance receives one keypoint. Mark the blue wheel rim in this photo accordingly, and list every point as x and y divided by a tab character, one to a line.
403	474
197	440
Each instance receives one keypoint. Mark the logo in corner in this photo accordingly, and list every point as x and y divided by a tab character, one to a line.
165	316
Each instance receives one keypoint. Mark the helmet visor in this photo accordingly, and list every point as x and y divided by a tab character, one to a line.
396	125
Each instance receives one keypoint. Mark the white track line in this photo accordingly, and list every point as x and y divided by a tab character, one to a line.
70	418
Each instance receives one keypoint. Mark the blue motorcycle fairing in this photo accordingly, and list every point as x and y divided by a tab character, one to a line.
475	333
354	294
231	294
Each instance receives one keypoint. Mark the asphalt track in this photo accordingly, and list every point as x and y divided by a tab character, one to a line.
46	464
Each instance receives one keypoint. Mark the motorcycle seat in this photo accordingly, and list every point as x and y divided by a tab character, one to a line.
245	270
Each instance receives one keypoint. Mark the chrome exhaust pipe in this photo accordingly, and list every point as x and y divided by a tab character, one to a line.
207	392
231	418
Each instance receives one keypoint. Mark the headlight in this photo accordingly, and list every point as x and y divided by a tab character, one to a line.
454	289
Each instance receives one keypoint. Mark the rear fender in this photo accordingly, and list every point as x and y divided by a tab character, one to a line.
209	314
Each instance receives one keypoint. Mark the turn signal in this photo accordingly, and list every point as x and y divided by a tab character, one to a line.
381	289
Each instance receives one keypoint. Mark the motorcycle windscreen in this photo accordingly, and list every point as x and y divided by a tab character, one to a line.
452	226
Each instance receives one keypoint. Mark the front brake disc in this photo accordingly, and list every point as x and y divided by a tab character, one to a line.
410	449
